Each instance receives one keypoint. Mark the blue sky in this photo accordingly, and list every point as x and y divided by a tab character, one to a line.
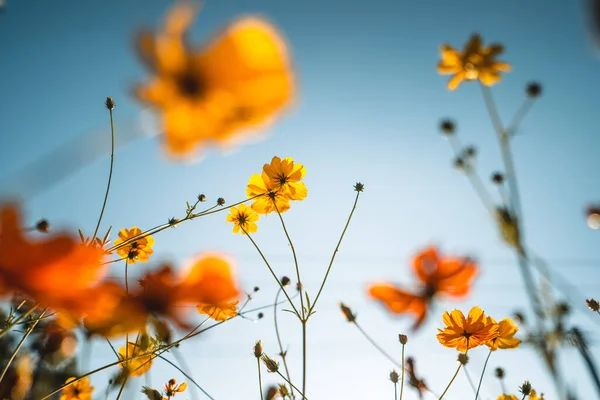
368	108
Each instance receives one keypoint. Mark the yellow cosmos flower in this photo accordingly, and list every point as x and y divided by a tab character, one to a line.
285	175
507	397
209	94
271	200
80	390
137	250
138	366
243	218
466	333
476	62
505	339
532	396
217	313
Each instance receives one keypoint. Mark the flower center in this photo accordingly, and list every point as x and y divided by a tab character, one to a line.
190	84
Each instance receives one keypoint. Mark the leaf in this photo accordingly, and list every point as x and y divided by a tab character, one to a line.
105	240
81	236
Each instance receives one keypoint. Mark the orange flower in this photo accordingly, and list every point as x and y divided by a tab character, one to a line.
463	333
475	62
219	313
241	80
137	366
269	200
56	271
137	250
505	339
80	390
448	276
211	280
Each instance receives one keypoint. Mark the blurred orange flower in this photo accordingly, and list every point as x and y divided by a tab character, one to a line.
240	80
219	313
211	280
243	218
448	276
80	390
505	339
475	62
138	250
463	333
56	272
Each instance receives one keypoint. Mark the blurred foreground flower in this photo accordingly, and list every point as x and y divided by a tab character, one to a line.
57	272
136	366
241	80
475	62
80	390
217	313
463	333
448	276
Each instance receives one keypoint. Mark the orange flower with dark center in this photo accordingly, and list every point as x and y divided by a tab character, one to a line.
55	271
447	276
463	333
241	80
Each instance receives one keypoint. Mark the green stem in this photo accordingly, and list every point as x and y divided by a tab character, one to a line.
281	352
335	252
469	379
402	382
482	374
187	376
451	380
272	272
292	385
259	379
521	112
14	353
303	357
122	387
112	160
395	390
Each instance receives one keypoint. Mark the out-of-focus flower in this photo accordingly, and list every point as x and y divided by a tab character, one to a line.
463	333
243	218
475	62
413	380
172	388
593	217
134	250
219	313
241	80
448	276
507	397
137	366
57	271
80	390
56	344
505	339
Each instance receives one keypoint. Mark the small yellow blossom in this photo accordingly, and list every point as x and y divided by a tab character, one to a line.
476	62
505	339
243	218
137	366
218	313
172	388
286	175
80	390
466	333
137	250
507	397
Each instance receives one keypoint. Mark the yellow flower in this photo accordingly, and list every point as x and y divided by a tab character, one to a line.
217	313
507	397
271	199
533	395
209	94
138	366
505	339
285	176
243	218
137	250
475	62
466	333
80	390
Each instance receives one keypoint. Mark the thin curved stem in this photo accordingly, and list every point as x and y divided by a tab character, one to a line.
122	387
259	379
335	252
451	381
379	348
402	382
520	114
187	376
482	374
395	390
112	160
281	352
470	380
292	385
181	360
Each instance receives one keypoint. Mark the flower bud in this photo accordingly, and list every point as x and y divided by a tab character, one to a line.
394	376
347	313
258	349
403	339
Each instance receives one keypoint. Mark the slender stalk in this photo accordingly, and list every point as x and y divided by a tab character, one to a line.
304	358
292	385
187	376
482	374
16	350
18	320
122	387
259	379
521	112
335	252
272	272
281	352
181	360
395	390
451	381
469	379
379	348
402	382
112	160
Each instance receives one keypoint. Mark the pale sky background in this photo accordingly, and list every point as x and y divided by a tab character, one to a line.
368	109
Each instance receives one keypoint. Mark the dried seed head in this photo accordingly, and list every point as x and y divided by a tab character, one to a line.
256	289
463	358
470	151
459	163
283	390
403	339
447	127
533	90
499	373
272	365
258	349
173	221
498	178
43	226
593	304
220	201
202	197
525	388
350	317
260	315
109	103
359	187
394	377
285	281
